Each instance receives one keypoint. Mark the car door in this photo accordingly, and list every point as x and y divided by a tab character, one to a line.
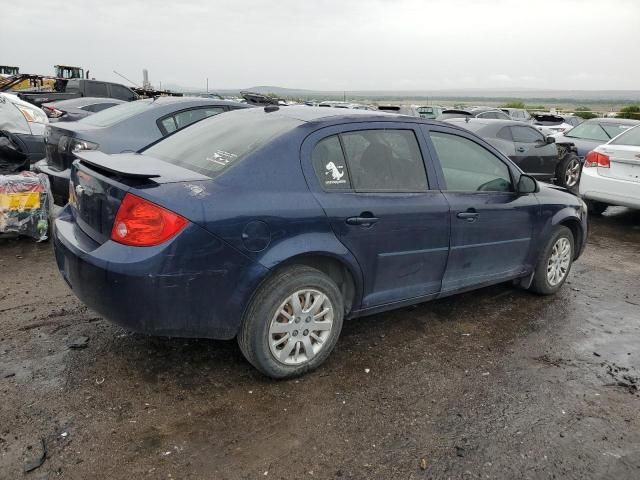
382	201
491	224
535	155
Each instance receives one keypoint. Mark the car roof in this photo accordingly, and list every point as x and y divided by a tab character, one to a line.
83	101
169	100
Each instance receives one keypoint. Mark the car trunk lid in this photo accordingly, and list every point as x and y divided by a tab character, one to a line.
99	183
624	162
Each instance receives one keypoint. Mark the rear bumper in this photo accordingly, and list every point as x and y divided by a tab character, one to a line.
59	181
611	191
193	286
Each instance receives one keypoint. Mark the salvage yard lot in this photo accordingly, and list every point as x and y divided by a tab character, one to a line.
497	383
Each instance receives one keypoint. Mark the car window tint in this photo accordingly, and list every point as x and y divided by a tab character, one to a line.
505	134
96	89
526	134
385	161
630	137
188	117
103	106
468	167
329	164
169	124
122	93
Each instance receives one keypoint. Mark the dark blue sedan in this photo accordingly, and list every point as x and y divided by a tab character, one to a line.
273	225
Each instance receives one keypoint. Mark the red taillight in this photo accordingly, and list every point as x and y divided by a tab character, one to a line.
141	223
596	159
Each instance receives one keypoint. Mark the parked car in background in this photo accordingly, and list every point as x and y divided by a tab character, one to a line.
611	173
551	123
591	133
77	108
535	154
123	128
348	105
26	123
273	225
409	110
80	87
430	112
479	112
517	114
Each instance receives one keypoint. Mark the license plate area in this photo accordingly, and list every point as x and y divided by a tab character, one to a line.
20	201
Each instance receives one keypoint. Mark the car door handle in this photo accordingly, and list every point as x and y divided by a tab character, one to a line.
362	221
468	216
521	149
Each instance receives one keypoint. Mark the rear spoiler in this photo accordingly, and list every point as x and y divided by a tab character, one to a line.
134	165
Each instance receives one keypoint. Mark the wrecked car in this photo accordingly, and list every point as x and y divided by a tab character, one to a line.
26	122
272	225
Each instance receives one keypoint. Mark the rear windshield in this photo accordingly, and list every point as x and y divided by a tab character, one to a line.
214	144
630	137
597	131
117	114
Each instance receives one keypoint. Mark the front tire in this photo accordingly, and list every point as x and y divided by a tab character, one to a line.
292	323
555	262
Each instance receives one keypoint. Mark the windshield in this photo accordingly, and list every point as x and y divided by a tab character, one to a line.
630	137
214	144
117	114
597	131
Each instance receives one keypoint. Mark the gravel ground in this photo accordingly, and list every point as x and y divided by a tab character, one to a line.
497	383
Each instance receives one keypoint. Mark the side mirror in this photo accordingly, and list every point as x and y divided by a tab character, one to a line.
527	184
551	139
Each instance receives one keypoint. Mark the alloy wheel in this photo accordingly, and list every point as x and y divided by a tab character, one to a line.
572	173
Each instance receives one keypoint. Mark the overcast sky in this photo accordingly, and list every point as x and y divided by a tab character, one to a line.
334	44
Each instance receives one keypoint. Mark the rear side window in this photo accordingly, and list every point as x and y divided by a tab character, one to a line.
122	93
526	134
505	134
96	89
330	165
216	143
384	161
469	167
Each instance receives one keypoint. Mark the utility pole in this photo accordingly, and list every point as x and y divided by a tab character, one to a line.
207	84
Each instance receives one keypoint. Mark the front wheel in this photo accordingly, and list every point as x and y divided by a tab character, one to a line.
292	323
555	262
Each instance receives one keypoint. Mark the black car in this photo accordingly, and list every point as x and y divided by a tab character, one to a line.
537	155
479	112
124	128
77	108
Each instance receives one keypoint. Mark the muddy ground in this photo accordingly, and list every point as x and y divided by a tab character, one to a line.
496	383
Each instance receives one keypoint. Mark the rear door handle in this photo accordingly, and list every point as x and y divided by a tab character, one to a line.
468	216
362	221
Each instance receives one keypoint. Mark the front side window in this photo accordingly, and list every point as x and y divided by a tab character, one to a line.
330	165
468	167
96	89
384	161
122	93
526	134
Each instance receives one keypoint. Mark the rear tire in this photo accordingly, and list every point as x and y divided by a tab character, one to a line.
554	264
596	208
283	337
568	172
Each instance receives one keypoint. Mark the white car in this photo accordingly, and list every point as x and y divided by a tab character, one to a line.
611	173
26	123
